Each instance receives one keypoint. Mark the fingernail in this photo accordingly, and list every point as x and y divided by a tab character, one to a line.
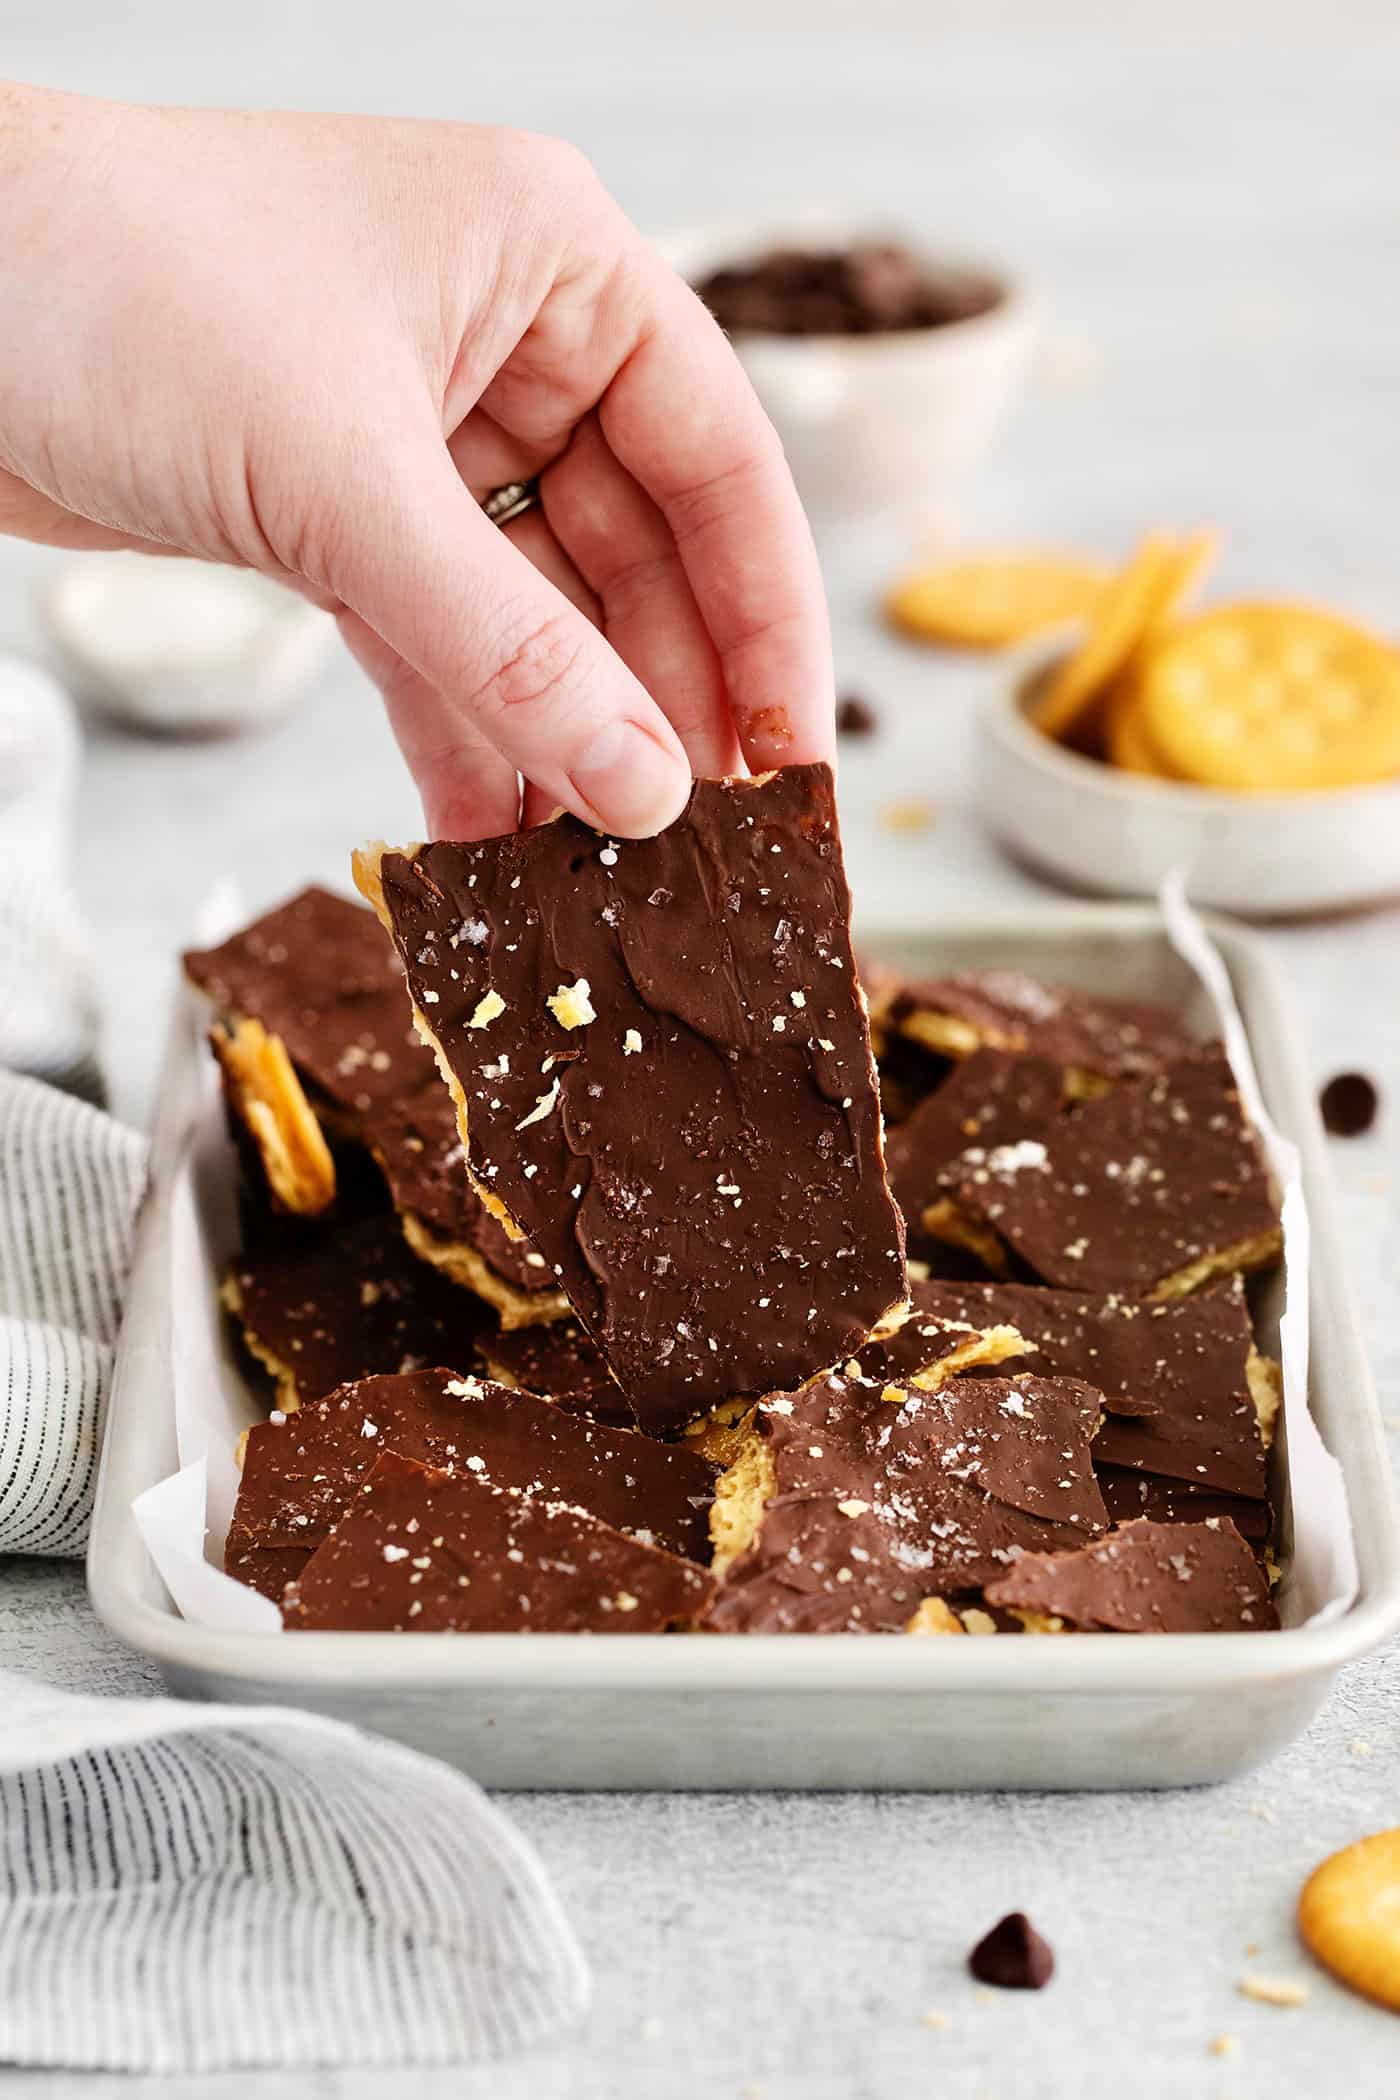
630	782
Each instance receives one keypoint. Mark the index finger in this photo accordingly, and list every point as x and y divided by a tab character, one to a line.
681	416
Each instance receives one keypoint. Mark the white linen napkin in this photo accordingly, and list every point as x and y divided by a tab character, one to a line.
193	1888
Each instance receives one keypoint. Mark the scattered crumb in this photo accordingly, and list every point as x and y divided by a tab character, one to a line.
984	1996
1262	1810
934	2019
1359	1747
906	816
1225	2045
652	2028
1252	1949
1273	1990
753	2092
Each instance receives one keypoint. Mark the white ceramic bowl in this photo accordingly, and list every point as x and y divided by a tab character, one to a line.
876	425
1091	827
181	648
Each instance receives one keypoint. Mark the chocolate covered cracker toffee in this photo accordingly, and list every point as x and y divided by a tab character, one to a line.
1155	1189
1143	1578
856	1500
658	1068
662	1072
419	1551
300	1473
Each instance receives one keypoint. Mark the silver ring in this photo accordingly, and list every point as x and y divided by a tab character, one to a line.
512	501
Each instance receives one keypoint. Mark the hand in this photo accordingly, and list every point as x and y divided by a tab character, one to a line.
309	344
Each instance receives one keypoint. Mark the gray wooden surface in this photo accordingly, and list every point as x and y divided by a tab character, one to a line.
1213	214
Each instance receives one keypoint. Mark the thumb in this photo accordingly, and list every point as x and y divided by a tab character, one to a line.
507	655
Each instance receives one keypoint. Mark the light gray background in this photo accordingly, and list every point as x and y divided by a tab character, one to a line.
1211	201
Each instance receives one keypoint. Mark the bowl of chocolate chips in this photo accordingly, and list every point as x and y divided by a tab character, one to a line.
886	365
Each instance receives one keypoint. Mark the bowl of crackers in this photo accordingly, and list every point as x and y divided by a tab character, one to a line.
886	363
1253	745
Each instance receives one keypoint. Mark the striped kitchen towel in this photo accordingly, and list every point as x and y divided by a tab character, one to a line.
193	1888
70	1183
198	1888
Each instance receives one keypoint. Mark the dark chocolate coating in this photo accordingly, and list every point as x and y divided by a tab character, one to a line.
941	1491
1127	1494
991	1098
1173	1376
1115	1038
1131	1187
700	1164
419	1148
558	1361
430	1552
1147	1578
299	1474
319	972
353	1302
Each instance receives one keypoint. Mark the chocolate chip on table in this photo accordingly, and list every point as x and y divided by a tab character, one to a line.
1013	1956
1349	1103
855	717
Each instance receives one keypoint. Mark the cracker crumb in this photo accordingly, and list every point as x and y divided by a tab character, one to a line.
1225	2045
977	1621
571	1006
906	816
1273	1990
934	2019
1359	1747
1262	1810
486	1009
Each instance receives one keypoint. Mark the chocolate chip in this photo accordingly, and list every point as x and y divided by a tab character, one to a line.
855	717
1349	1103
1013	1956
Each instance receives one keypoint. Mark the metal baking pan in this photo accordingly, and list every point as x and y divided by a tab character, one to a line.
814	1711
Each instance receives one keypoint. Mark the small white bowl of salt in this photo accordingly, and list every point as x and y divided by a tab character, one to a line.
181	648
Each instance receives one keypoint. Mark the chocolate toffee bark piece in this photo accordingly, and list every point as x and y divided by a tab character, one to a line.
1179	1379
662	1072
1154	1190
925	1344
558	1362
420	1551
315	1028
445	1221
1094	1041
299	1473
1128	1494
992	1098
1143	1578
348	1304
853	1500
319	974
